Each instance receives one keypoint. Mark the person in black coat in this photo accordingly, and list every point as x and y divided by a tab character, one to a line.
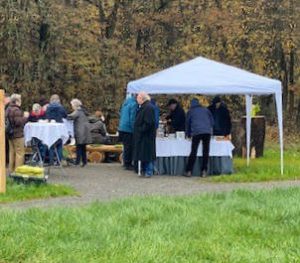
222	119
177	116
144	134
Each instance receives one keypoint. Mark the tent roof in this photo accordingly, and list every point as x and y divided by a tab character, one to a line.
204	76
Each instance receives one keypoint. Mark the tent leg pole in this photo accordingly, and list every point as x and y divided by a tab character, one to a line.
278	97
139	168
248	126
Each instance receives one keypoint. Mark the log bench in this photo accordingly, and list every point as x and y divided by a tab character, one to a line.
96	153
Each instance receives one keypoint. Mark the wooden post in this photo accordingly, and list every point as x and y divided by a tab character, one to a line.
2	144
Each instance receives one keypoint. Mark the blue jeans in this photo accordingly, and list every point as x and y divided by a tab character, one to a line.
148	168
36	143
59	147
43	150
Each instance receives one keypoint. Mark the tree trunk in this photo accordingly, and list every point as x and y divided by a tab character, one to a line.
298	116
291	82
258	131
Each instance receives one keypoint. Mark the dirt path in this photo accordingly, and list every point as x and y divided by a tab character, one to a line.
109	182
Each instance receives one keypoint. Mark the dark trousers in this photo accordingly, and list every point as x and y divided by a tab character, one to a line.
127	140
205	138
81	154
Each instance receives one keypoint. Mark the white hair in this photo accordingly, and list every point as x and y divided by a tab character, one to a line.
54	99
15	98
36	107
145	96
76	103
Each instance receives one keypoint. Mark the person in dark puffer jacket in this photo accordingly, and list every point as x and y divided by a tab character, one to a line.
199	126
176	117
98	129
18	120
222	126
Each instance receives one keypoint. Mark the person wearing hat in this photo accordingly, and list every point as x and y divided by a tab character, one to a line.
222	119
177	116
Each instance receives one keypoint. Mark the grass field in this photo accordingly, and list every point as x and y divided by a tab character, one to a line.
21	192
266	168
242	226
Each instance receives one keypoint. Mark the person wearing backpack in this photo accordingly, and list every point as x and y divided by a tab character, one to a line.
16	121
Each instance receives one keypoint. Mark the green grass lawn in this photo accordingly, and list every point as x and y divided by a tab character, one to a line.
266	168
20	192
241	226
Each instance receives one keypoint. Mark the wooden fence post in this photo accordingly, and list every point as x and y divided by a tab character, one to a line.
2	144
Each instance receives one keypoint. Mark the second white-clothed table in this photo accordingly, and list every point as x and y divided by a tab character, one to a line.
166	147
172	156
48	133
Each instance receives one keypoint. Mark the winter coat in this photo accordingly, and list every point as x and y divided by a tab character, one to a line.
127	115
177	118
34	117
199	120
17	120
156	112
98	131
55	111
222	119
81	126
144	134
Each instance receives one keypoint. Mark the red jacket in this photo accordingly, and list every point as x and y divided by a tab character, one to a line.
35	117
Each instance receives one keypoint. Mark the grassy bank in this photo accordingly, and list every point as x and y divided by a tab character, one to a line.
266	168
20	192
242	226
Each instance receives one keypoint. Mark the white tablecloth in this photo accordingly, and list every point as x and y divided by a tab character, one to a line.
70	127
180	147
48	133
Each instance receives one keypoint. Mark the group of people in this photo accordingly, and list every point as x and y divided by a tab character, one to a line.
86	129
138	123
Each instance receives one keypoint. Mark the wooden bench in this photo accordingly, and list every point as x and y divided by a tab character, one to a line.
96	153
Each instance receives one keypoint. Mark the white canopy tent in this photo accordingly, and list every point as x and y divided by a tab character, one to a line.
208	77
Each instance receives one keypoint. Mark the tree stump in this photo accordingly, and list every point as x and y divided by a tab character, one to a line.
258	132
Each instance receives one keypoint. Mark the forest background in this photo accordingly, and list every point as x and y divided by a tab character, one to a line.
90	49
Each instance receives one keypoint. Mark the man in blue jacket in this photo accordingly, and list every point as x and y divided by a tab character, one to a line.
199	126
126	125
55	111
